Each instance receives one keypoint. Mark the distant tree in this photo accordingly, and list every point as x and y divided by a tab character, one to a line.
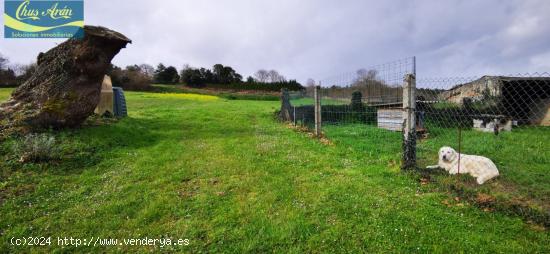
159	72
218	72
184	71
18	69
262	76
361	73
134	77
274	76
3	62
115	73
147	70
250	80
367	79
166	75
310	82
310	86
225	75
207	76
7	75
134	67
366	75
265	76
130	78
172	75
195	77
233	75
25	72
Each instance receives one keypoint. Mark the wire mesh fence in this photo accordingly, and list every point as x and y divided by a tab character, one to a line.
362	105
386	113
377	85
353	99
505	118
364	108
301	108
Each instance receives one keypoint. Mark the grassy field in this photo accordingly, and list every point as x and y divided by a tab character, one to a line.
228	177
5	93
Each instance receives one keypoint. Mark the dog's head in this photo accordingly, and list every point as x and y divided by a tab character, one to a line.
447	154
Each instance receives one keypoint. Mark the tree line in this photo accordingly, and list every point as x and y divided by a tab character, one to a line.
140	77
12	75
220	76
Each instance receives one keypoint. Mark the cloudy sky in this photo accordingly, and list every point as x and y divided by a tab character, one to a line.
318	39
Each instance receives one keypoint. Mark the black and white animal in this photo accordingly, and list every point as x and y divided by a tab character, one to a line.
480	167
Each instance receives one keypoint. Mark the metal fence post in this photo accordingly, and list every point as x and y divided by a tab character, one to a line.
409	119
317	107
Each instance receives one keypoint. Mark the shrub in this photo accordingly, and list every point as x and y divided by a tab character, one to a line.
132	78
135	81
291	85
166	75
36	148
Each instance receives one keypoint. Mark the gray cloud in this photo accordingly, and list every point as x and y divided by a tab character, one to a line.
317	39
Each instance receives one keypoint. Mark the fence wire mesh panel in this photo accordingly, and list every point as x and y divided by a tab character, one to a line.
505	118
301	108
365	107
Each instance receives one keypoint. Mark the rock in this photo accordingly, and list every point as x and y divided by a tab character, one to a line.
105	105
65	88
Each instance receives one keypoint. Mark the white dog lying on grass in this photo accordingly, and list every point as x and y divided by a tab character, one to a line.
480	167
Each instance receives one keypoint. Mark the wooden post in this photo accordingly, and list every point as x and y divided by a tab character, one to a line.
285	106
317	97
409	119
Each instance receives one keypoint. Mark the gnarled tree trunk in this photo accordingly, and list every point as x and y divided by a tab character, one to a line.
65	88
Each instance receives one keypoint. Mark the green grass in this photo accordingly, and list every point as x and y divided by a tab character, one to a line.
5	93
227	176
226	94
522	157
310	101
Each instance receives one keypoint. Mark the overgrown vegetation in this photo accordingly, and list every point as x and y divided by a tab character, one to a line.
228	177
14	75
132	78
36	147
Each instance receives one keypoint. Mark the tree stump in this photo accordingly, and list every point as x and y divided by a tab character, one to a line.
65	88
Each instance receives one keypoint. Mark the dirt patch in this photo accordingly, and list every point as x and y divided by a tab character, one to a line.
485	200
323	139
519	206
497	195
